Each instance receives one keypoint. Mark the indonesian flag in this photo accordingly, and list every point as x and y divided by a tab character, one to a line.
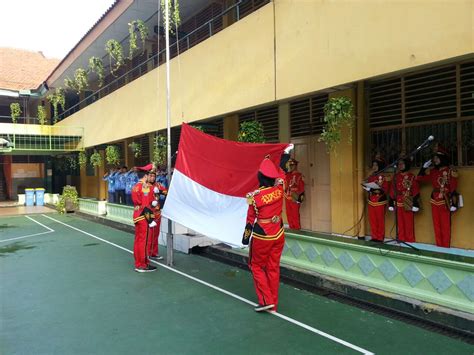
210	181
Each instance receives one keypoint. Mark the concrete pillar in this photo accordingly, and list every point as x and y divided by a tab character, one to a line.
344	195
361	163
231	127
100	173
284	122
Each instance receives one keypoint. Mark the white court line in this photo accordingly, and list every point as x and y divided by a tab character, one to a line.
30	235
276	314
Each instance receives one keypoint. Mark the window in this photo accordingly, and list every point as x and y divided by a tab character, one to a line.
306	116
268	117
405	110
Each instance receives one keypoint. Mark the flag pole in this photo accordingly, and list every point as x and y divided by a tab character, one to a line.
169	234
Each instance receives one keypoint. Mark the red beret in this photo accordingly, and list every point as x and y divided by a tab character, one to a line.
268	168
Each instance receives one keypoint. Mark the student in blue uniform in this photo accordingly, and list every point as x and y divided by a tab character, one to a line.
120	182
110	178
131	180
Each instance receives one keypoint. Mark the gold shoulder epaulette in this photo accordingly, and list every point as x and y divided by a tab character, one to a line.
279	181
251	196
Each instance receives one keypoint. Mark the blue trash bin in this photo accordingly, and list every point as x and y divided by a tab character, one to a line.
39	196
30	197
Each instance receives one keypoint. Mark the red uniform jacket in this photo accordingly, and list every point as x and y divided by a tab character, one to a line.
407	186
294	185
264	213
444	182
379	197
142	195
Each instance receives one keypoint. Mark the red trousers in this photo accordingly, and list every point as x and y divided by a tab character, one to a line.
140	245
154	234
406	227
293	214
264	262
442	225
377	221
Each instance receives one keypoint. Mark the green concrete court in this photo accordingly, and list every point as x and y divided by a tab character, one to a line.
68	287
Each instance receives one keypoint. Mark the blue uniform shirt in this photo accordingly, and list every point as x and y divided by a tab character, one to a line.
131	180
111	181
163	180
120	181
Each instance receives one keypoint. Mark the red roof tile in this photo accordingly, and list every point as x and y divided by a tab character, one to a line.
22	69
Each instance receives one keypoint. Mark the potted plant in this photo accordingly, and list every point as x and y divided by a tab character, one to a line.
338	113
112	155
68	201
251	132
136	149
82	159
15	111
96	159
41	115
159	157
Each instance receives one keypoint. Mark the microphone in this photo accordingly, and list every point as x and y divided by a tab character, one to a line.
427	141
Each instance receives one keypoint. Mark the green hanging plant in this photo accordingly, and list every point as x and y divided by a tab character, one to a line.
71	162
133	27
80	81
57	98
82	159
251	132
338	112
97	66
112	155
41	115
96	159
15	111
199	128
174	19
159	156
68	201
115	51
136	149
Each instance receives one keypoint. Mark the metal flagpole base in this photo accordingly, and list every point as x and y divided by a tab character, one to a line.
400	242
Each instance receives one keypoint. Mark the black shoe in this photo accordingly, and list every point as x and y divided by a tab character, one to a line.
149	268
376	241
264	307
158	257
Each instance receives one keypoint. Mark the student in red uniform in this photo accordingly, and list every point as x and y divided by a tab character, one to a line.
405	196
265	227
143	220
158	190
377	199
444	181
294	194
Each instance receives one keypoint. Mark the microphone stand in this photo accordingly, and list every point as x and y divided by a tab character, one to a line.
394	176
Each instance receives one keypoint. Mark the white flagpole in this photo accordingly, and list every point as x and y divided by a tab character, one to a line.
169	234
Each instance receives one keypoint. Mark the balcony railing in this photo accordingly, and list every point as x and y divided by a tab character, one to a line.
33	137
180	45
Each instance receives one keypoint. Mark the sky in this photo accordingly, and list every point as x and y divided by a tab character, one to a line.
51	26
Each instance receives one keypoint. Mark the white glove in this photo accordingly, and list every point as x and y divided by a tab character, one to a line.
427	164
152	224
156	190
452	209
154	203
391	209
289	148
415	209
366	188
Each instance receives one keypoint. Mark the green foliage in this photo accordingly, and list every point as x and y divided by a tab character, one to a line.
15	111
159	156
251	132
174	19
80	81
97	66
68	201
95	159
82	159
115	51
41	115
199	128
136	149
338	112
112	155
132	30
57	98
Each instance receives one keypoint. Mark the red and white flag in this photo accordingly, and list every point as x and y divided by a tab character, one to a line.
210	181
